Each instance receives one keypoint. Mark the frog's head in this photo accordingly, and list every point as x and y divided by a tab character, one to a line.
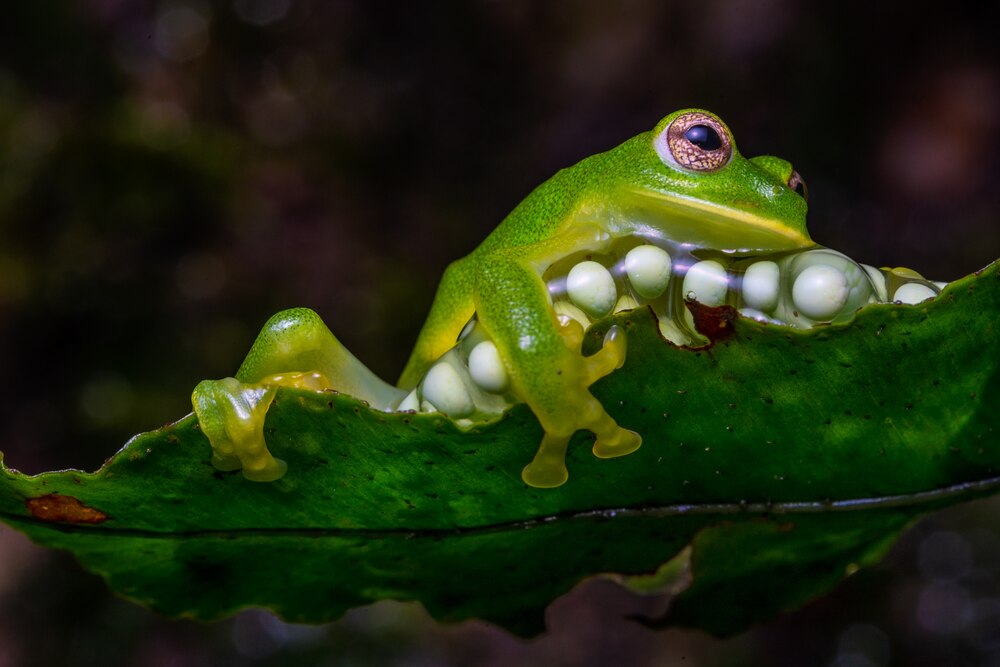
690	183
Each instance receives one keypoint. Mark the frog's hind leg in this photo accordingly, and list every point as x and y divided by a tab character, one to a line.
548	468
294	349
298	340
547	369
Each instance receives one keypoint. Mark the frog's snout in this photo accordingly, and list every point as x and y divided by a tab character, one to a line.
778	169
782	172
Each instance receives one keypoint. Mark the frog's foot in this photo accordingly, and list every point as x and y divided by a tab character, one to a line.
548	468
231	415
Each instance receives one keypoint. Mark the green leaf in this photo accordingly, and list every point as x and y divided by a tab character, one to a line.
775	462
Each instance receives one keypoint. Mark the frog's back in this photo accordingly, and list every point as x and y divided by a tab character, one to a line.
552	204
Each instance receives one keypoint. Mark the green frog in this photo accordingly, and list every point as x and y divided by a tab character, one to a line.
671	217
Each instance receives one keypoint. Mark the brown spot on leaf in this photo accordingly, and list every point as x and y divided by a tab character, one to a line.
63	509
713	322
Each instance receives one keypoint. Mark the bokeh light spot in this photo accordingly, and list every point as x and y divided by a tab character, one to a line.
181	33
261	12
983	630
864	644
944	608
276	117
164	125
258	634
106	398
944	556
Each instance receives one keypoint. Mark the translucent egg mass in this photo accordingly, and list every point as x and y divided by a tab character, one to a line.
800	288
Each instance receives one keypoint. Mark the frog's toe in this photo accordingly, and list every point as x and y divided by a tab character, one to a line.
265	469
224	461
231	415
617	442
548	469
577	409
609	358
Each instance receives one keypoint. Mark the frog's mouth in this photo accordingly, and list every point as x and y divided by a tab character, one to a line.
707	225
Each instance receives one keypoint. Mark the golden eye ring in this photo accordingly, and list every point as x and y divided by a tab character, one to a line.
698	142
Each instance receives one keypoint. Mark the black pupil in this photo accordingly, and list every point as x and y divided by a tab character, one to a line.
704	137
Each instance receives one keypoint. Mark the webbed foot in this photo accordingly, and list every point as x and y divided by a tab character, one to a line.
232	411
231	415
581	410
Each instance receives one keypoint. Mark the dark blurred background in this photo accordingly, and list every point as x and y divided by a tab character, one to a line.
172	173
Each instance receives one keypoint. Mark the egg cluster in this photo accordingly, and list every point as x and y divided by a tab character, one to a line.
470	380
799	289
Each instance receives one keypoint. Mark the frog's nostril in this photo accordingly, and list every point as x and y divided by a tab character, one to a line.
795	182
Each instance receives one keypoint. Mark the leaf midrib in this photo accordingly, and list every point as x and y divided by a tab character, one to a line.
968	490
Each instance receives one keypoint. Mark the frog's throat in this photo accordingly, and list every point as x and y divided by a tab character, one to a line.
710	225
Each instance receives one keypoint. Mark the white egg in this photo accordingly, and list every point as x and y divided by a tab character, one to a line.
487	369
913	293
648	270
411	402
940	284
566	309
706	282
443	388
859	284
760	286
469	327
671	332
877	279
820	291
591	287
626	302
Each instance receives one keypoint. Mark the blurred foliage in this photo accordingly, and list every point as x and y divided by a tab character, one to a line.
172	173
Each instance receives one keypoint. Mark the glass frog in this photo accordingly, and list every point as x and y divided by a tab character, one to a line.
671	216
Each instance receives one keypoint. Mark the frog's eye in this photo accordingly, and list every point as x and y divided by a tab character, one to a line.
696	141
796	183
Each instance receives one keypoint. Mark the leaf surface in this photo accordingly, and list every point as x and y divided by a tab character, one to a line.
774	463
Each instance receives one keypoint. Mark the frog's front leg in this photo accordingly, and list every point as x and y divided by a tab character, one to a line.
547	369
294	349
